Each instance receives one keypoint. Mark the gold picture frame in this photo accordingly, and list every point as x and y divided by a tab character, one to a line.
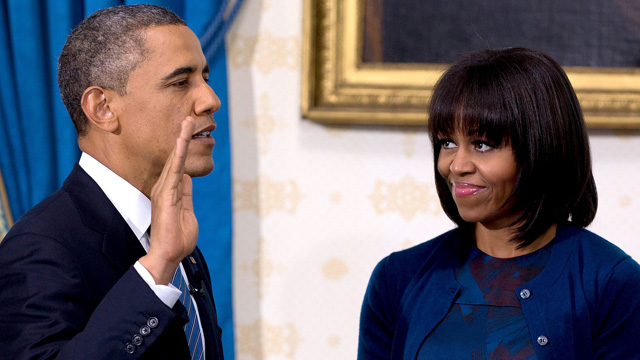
338	88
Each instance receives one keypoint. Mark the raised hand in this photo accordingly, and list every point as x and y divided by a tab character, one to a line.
174	228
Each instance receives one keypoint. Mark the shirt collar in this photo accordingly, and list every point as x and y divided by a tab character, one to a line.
132	205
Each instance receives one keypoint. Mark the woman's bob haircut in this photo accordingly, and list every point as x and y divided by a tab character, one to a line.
520	98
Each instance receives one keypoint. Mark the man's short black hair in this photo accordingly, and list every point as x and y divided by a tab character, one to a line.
521	98
103	50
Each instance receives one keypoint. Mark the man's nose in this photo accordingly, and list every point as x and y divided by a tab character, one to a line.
207	102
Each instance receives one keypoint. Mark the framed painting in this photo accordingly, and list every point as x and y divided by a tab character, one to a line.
376	61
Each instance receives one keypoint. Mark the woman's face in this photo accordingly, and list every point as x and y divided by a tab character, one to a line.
481	177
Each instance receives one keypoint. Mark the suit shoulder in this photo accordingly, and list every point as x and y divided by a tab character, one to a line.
50	217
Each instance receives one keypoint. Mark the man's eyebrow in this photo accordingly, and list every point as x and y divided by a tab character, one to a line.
185	70
180	71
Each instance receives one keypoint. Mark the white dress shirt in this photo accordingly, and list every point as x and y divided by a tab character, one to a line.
135	209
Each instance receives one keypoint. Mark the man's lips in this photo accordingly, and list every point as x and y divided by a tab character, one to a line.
461	189
204	133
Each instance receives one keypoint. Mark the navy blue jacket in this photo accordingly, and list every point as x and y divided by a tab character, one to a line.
68	289
585	302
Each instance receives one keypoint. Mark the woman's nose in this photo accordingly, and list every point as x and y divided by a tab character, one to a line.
462	162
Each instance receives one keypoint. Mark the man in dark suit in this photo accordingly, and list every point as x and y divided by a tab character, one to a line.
107	266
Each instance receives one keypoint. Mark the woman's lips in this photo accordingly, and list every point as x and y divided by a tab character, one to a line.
461	189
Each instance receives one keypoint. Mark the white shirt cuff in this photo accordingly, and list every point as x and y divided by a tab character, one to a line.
168	294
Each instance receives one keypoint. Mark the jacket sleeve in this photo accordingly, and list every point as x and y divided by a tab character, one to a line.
376	317
618	323
49	310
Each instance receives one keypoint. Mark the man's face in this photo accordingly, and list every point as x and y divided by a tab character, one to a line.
163	90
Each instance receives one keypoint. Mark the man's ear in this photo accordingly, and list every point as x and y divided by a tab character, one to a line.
96	106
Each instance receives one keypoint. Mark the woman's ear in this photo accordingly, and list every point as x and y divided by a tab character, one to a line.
96	106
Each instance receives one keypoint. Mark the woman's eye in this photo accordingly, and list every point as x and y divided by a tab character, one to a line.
483	146
447	144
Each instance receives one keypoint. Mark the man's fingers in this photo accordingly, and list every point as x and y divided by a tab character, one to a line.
174	167
187	193
182	143
187	127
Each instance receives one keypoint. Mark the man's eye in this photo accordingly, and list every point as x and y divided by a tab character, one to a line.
180	83
206	79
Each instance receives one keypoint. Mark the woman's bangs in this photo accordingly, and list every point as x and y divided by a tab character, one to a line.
482	113
475	110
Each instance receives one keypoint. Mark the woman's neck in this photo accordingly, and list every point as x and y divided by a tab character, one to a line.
497	242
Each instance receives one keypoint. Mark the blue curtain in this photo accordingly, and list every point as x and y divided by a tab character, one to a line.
38	144
5	215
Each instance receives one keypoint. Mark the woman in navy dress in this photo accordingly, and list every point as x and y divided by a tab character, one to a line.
520	277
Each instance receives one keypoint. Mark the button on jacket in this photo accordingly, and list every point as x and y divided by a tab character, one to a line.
585	304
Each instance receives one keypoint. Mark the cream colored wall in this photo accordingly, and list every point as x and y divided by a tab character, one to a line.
316	207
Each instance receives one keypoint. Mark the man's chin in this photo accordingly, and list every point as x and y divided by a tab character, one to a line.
200	169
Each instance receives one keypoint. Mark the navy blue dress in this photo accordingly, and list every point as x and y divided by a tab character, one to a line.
486	320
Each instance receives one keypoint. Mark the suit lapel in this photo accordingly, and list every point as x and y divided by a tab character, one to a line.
119	243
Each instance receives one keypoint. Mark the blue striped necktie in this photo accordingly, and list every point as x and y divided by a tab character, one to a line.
192	329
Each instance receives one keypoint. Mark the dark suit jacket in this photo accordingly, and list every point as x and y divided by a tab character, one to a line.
68	289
